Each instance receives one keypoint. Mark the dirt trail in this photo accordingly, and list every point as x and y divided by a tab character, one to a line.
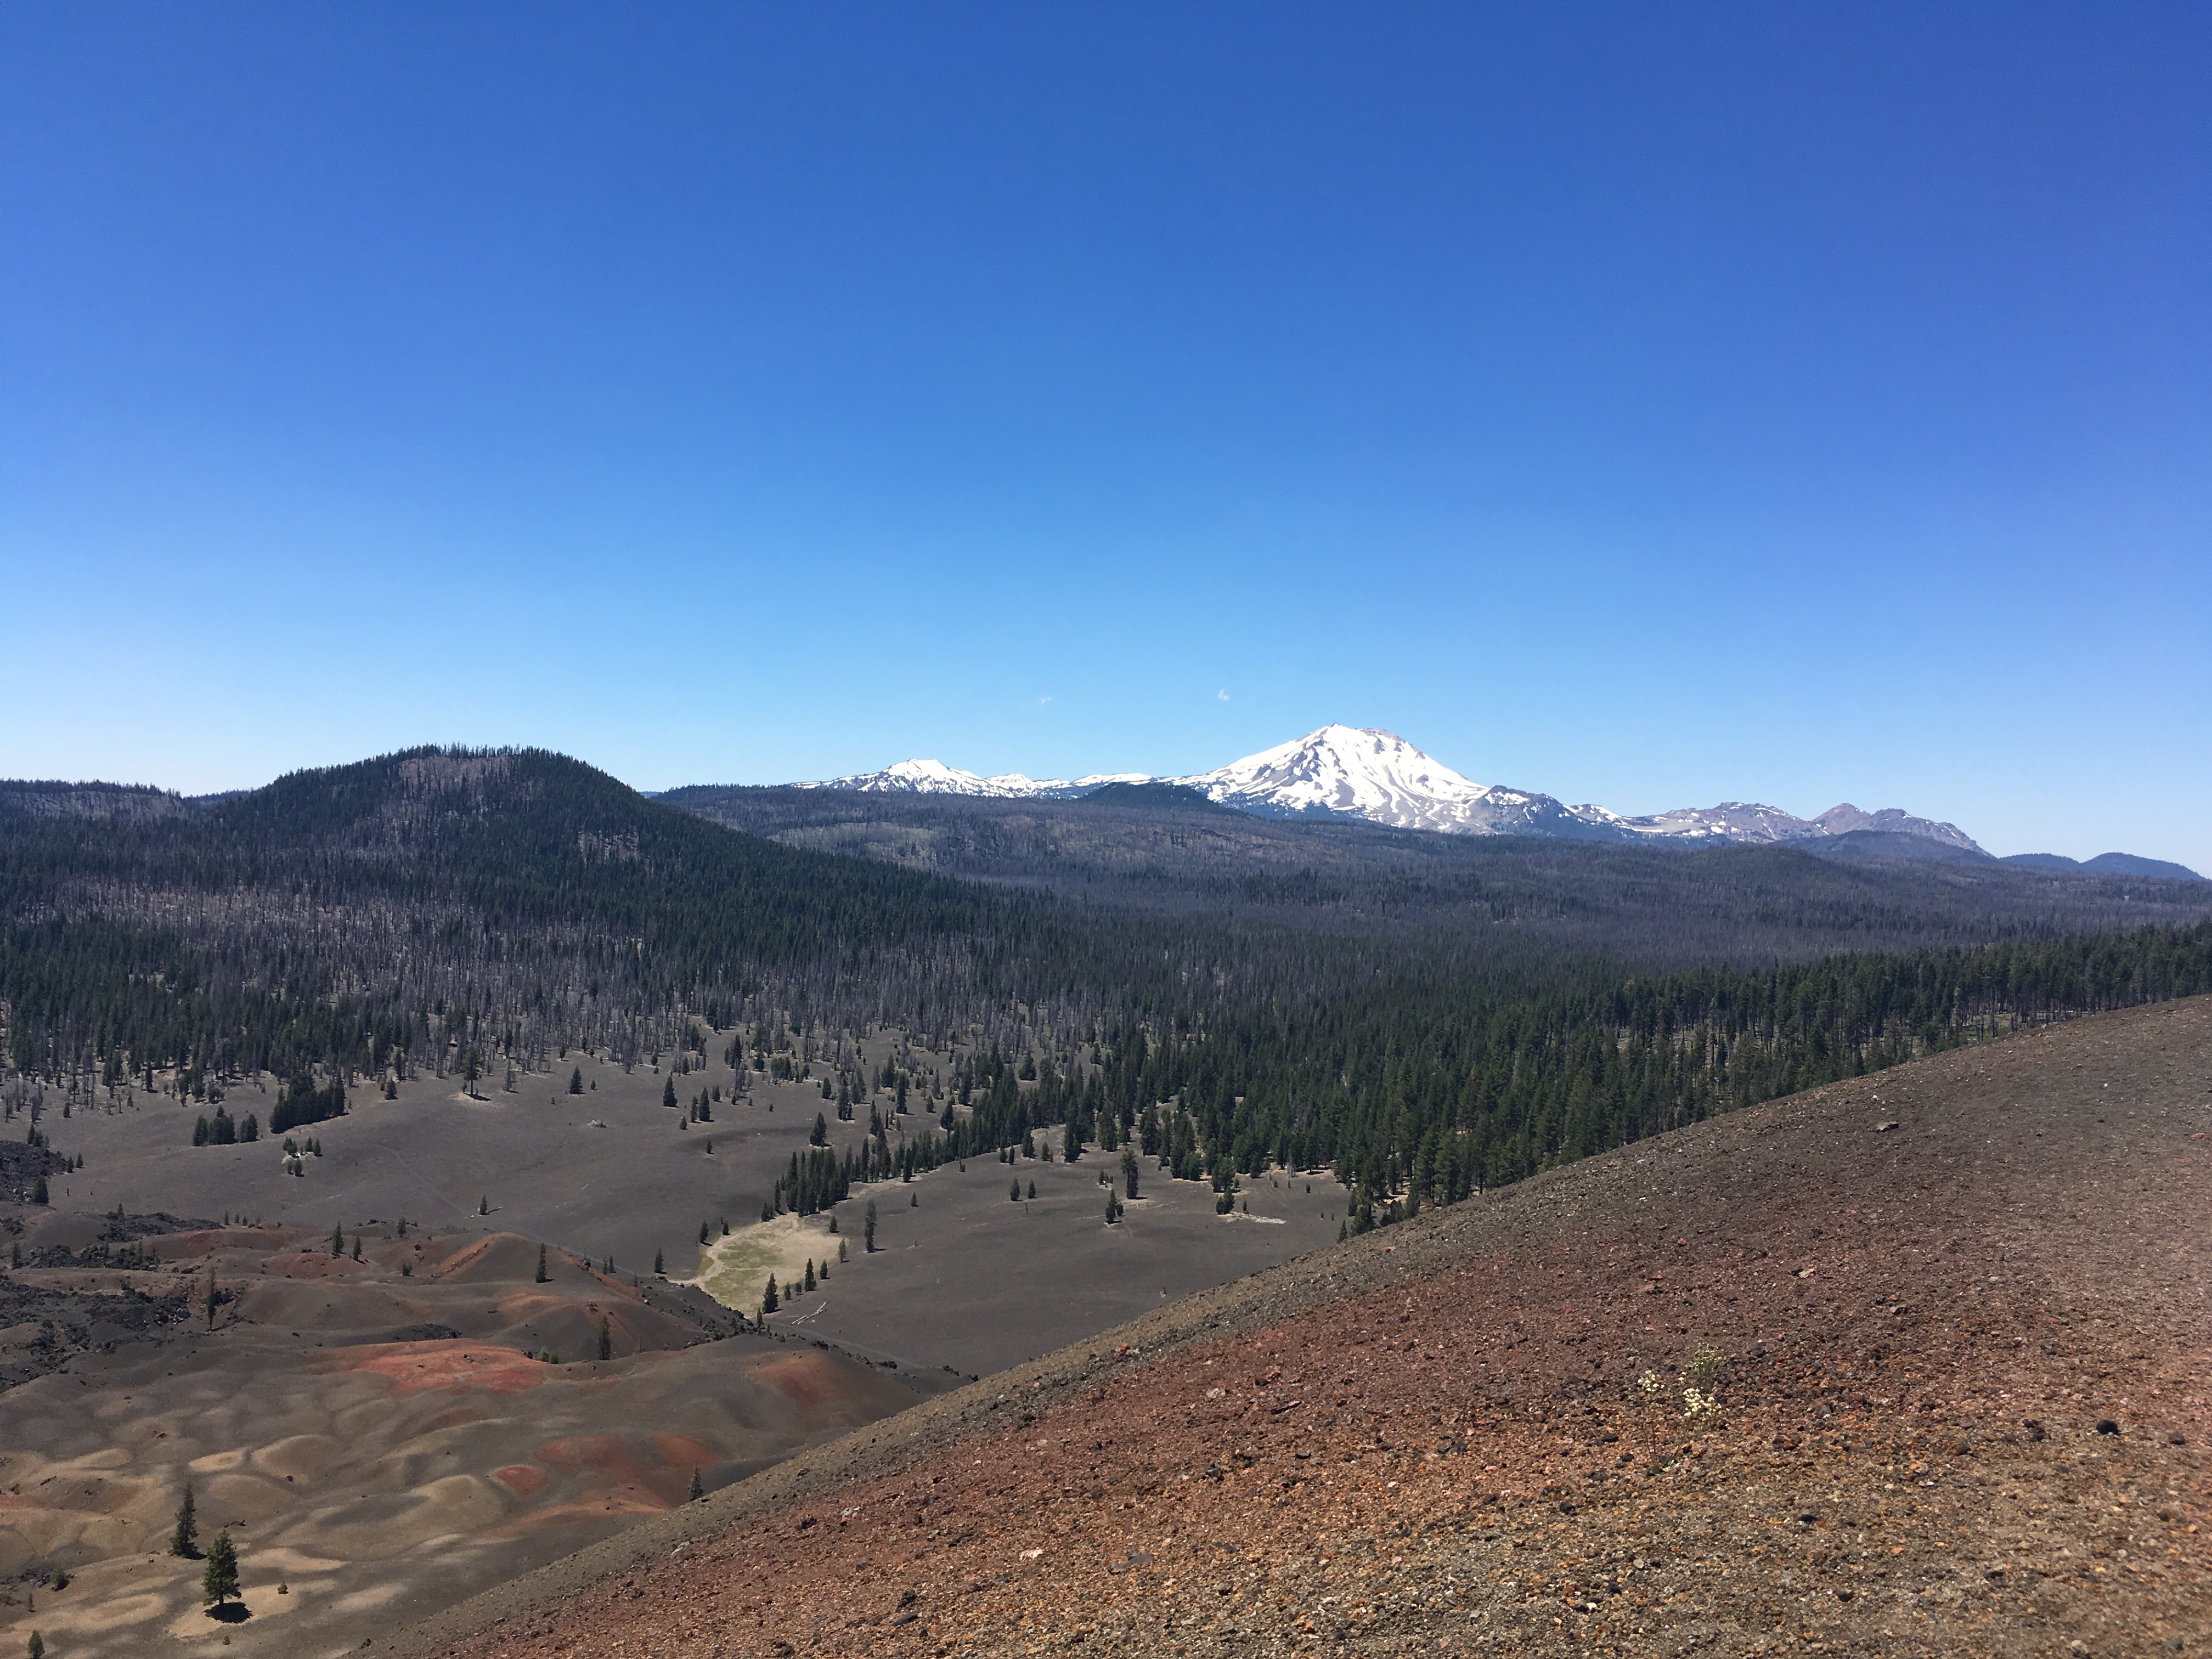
1964	1410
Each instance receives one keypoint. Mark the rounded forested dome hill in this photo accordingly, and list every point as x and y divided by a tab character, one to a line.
527	835
326	916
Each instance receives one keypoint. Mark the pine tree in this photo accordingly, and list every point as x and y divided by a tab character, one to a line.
1014	1192
483	1205
37	1647
543	1276
185	1540
356	1247
658	1268
606	1340
668	1094
698	1488
576	1081
219	1582
1033	1189
768	1302
39	1190
868	1232
337	1241
809	1286
1129	1170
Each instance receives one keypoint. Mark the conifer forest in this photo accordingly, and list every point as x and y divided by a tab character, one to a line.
1420	1015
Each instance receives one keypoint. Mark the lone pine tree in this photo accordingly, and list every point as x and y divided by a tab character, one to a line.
606	1340
219	1582
868	1228
668	1094
543	1276
768	1302
576	1081
184	1540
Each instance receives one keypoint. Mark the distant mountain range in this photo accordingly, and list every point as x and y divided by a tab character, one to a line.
1367	774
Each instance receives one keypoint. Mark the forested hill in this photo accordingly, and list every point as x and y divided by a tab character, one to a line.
333	912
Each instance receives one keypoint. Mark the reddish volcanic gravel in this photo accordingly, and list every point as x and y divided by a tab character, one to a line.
1963	1410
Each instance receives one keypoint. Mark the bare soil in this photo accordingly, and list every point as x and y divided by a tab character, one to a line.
1963	1409
964	1279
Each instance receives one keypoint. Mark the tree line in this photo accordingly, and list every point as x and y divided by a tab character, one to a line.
441	909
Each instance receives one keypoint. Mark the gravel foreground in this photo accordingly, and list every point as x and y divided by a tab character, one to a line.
1963	1410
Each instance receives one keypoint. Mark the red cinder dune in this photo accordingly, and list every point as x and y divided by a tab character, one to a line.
1915	1364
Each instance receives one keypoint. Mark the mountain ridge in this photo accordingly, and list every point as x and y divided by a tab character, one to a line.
1372	774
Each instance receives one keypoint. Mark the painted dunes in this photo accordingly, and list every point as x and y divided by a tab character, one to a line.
379	1444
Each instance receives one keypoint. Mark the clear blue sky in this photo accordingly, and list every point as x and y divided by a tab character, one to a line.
1645	403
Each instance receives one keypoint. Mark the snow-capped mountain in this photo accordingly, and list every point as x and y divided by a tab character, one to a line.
1363	772
1366	773
1739	821
1734	821
934	777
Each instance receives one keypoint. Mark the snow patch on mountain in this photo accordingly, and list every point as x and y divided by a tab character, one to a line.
934	777
1841	820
